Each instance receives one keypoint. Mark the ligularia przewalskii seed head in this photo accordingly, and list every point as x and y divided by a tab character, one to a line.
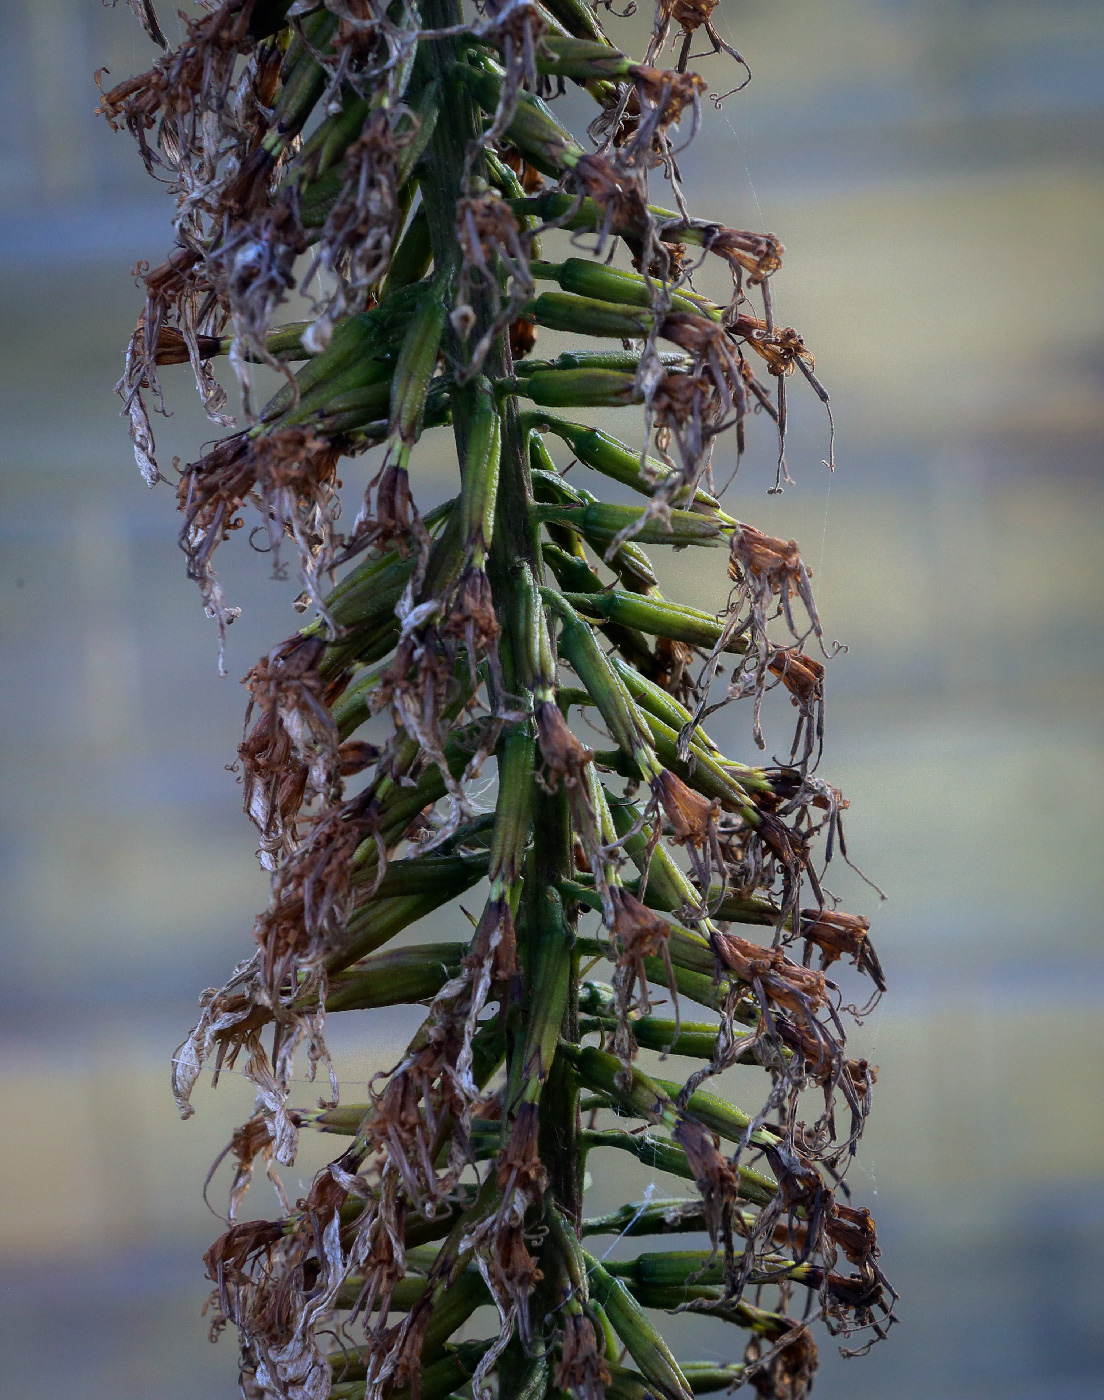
400	164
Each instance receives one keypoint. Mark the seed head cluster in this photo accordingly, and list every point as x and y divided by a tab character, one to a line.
494	702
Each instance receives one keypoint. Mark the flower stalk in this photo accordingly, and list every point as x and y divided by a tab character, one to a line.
494	701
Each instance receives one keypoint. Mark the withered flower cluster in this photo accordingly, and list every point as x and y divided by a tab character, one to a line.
399	165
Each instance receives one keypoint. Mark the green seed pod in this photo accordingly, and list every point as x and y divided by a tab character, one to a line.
436	1382
392	979
621	361
412	258
577	18
561	311
349	1363
658	1153
657	617
330	140
415	129
663	1155
663	1216
603	453
303	81
370	592
701	770
581	650
479	479
513	811
604	522
575	388
676	1267
365	403
614	284
534	660
451	1309
771	1325
414	368
574	575
662	704
705	1378
625	1384
669	888
720	1116
695	1040
378	922
632	1090
567	57
427	874
544	143
284	343
644	1344
546	990
356	341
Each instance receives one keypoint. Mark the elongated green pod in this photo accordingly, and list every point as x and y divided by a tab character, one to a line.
412	258
415	128
414	368
427	874
534	130
664	706
645	1096
547	982
577	18
643	1343
603	453
355	343
700	770
391	979
436	1382
370	395
657	617
561	311
586	278
372	594
380	920
694	1039
303	82
513	811
624	720
758	254
679	1267
661	1154
479	479
589	387
329	141
669	888
574	575
568	57
603	521
620	361
657	1216
706	1377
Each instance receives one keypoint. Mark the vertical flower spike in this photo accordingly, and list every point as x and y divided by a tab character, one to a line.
536	708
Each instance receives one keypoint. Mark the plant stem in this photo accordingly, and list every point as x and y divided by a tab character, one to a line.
514	545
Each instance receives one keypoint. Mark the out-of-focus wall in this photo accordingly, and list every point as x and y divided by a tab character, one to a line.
935	172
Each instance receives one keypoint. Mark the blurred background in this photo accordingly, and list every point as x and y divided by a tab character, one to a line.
936	171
